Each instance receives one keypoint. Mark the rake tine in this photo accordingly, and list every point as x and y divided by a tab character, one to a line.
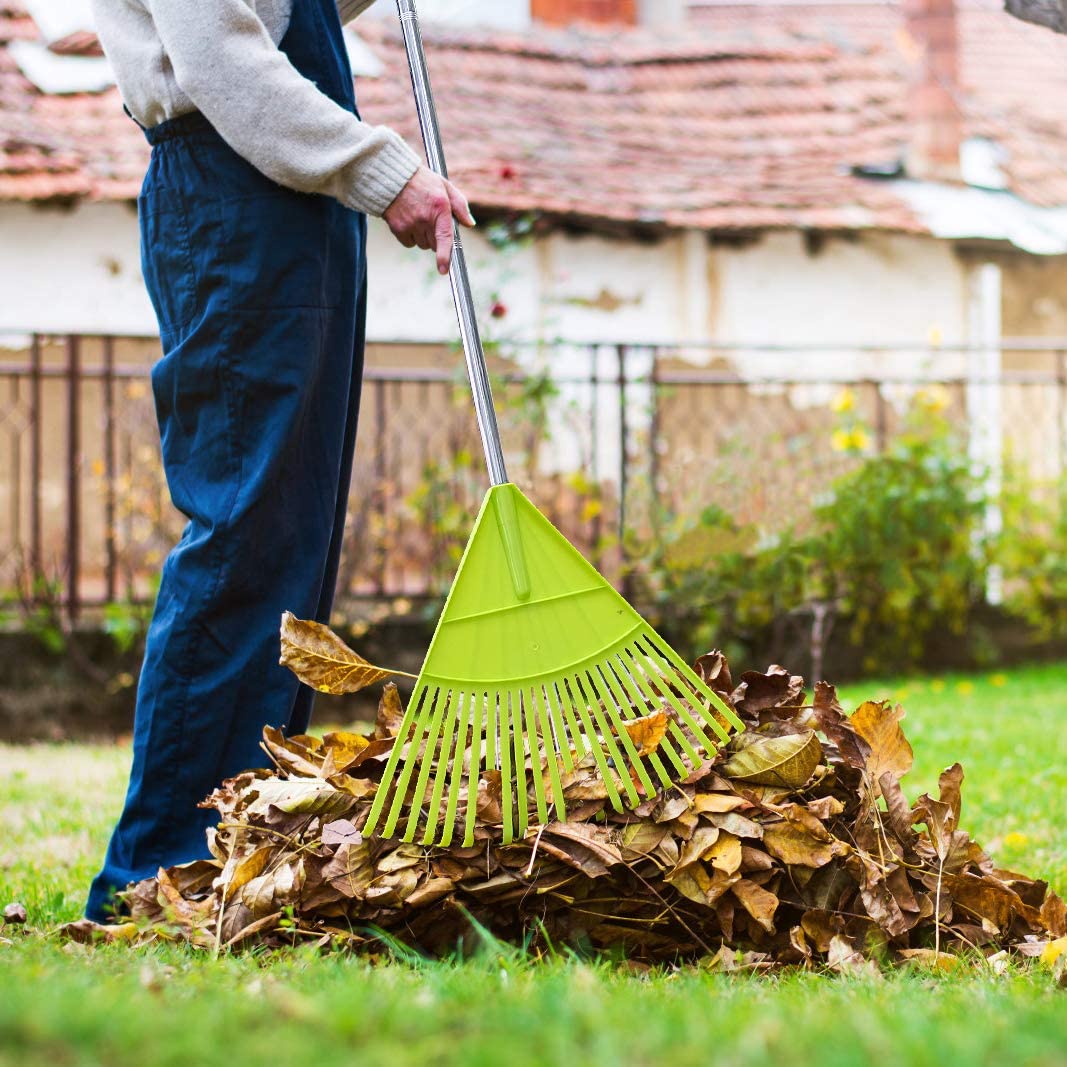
416	707
702	690
631	682
598	755
603	720
478	712
455	702
504	721
517	735
660	678
613	710
620	702
640	678
438	717
581	742
553	764
490	731
457	772
535	730
559	731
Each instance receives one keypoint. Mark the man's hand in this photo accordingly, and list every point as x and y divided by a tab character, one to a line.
422	214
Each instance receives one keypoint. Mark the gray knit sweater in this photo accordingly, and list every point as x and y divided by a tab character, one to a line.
221	57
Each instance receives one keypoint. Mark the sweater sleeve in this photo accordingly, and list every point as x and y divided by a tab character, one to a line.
227	64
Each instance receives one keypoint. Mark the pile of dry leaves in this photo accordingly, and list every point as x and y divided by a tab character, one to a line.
795	846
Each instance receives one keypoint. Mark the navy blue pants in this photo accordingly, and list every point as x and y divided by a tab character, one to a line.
260	296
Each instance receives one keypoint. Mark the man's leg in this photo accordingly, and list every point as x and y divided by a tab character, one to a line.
257	420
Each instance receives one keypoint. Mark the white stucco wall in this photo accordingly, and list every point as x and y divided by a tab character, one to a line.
78	271
72	271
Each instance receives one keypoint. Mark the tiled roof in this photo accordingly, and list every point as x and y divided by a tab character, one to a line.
753	117
703	130
61	147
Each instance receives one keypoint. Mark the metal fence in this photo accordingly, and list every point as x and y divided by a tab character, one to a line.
608	439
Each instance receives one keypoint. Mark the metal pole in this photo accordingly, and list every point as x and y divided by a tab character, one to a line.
457	273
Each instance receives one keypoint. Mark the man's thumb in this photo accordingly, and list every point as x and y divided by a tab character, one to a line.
460	207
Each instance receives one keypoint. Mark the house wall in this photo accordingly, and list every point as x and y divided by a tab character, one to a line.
78	270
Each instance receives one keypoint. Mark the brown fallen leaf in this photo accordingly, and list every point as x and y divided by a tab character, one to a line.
648	731
319	658
14	914
86	932
783	761
390	713
878	723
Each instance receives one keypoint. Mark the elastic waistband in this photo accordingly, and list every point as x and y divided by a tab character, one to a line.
179	126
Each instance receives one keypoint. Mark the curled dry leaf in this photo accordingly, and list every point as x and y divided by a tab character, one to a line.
15	914
783	761
319	658
878	723
390	713
648	731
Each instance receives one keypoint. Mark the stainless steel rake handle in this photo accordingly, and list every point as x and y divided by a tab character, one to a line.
457	274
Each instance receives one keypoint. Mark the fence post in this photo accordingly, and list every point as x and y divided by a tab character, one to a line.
881	416
1061	393
984	401
35	455
596	526
108	382
73	475
653	445
380	472
624	464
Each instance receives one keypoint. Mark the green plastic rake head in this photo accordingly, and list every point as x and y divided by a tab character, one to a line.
537	661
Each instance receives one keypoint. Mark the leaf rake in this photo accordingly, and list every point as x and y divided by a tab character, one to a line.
537	664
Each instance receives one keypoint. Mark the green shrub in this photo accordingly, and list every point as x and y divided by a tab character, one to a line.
895	548
1031	553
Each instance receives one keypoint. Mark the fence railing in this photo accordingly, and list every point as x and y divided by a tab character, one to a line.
607	438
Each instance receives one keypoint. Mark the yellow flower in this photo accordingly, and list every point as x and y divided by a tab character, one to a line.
844	401
999	680
937	685
965	688
590	510
854	440
1053	950
1015	839
934	398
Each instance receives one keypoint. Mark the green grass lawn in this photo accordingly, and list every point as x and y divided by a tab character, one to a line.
161	1005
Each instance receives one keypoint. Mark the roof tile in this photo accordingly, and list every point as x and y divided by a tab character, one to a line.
754	117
